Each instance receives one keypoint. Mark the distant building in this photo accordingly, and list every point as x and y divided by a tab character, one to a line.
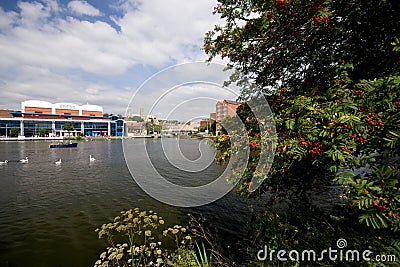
6	113
213	116
224	109
177	128
128	113
142	114
205	123
38	116
134	128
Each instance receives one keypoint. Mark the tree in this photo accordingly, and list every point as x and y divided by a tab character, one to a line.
14	132
136	118
298	44
152	128
213	127
68	127
330	73
42	132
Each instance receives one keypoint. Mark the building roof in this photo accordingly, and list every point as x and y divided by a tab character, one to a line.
6	113
45	104
232	102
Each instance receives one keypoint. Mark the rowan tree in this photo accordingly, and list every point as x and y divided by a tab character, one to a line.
330	72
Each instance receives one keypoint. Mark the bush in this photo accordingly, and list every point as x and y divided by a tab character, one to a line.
139	238
14	132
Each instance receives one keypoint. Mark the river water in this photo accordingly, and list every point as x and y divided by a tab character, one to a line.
49	212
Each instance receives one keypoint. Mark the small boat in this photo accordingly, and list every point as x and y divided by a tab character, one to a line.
62	145
24	160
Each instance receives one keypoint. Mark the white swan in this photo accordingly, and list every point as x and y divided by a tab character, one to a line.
58	162
24	160
91	158
3	162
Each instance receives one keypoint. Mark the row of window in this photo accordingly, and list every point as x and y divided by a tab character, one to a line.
49	125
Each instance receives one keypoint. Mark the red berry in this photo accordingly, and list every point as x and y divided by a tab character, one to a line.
280	3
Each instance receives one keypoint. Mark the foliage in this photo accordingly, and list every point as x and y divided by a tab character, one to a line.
378	198
202	259
151	127
324	132
298	44
330	72
139	238
297	231
209	238
136	118
68	126
42	132
14	132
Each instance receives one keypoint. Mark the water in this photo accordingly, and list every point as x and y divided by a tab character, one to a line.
48	213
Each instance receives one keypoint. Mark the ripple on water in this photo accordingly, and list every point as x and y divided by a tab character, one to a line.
49	213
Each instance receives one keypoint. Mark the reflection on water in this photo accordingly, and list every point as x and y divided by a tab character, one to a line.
48	212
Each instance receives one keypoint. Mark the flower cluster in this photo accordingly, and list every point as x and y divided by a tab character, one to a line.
143	244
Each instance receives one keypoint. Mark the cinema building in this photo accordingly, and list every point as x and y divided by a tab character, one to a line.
43	118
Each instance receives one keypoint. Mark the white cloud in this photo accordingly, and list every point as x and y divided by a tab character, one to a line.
43	84
157	34
41	45
184	91
83	8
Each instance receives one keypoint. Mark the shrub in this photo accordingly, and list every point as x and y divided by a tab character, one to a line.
139	238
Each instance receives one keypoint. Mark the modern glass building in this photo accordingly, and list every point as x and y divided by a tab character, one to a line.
41	118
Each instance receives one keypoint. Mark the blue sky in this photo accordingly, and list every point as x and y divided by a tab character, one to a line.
97	51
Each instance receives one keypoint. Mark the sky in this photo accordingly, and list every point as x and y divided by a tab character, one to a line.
103	52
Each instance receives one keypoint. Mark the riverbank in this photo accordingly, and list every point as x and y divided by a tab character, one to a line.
23	138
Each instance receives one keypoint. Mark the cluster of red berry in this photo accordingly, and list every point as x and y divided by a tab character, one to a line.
381	204
304	143
374	119
359	92
317	149
362	139
254	144
217	7
346	149
319	19
280	3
